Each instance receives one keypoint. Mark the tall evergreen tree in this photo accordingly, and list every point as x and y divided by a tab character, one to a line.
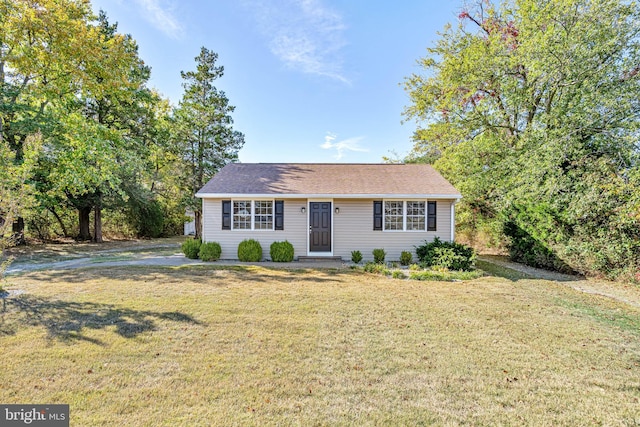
204	132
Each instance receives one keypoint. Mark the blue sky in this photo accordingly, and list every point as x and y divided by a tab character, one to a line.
312	80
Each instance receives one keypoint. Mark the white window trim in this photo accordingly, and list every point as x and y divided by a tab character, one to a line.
426	206
253	215
384	215
404	215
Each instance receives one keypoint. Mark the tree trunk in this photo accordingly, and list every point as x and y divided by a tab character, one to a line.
83	216
18	232
197	214
62	226
97	224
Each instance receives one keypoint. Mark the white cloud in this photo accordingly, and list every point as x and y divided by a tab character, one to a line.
161	16
304	34
350	144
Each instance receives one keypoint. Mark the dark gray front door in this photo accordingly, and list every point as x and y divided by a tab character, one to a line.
320	227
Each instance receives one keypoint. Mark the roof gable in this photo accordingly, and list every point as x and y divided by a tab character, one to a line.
327	179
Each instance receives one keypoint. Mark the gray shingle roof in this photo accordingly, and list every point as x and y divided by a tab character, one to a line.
327	179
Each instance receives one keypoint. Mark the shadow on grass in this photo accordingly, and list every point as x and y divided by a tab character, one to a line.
499	271
66	320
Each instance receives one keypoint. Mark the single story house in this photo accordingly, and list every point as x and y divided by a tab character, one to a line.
328	210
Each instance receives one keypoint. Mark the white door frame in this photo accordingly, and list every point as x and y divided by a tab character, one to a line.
319	254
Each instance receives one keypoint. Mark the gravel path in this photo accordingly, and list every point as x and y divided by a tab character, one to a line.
625	293
173	260
536	273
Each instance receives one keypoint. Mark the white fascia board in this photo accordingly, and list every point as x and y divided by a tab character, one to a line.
328	196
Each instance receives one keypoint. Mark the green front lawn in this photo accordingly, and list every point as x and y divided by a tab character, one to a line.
212	345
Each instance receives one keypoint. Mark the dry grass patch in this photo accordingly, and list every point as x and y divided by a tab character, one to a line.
243	345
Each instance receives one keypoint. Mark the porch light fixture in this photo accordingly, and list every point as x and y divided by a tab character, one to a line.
303	209
337	210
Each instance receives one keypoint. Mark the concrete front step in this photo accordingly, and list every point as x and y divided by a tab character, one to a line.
319	258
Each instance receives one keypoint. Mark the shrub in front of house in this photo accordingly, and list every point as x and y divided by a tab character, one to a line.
454	256
406	258
249	250
379	255
281	251
210	251
191	248
356	257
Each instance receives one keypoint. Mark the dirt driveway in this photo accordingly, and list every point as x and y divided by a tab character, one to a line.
156	252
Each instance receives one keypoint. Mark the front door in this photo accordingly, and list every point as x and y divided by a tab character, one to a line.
320	227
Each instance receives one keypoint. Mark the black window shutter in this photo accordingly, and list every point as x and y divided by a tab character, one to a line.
226	214
431	216
377	214
279	217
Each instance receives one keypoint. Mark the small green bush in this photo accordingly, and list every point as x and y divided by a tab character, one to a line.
191	248
249	250
397	274
210	251
356	256
406	258
281	251
379	255
454	256
447	258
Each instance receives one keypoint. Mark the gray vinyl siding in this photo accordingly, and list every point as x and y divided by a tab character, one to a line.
353	230
295	229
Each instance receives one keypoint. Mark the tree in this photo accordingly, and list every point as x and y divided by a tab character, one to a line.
532	109
14	192
43	57
69	77
56	63
119	101
204	135
97	141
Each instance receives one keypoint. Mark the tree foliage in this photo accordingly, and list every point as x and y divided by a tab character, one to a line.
531	108
108	142
204	134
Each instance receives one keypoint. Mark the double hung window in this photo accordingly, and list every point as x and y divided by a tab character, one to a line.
263	218
406	215
253	214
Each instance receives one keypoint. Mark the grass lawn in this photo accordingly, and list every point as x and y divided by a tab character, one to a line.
206	345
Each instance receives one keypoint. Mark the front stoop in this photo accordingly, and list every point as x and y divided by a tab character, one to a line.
319	258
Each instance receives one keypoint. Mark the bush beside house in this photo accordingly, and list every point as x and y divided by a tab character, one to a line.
281	251
450	255
249	250
191	248
210	251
